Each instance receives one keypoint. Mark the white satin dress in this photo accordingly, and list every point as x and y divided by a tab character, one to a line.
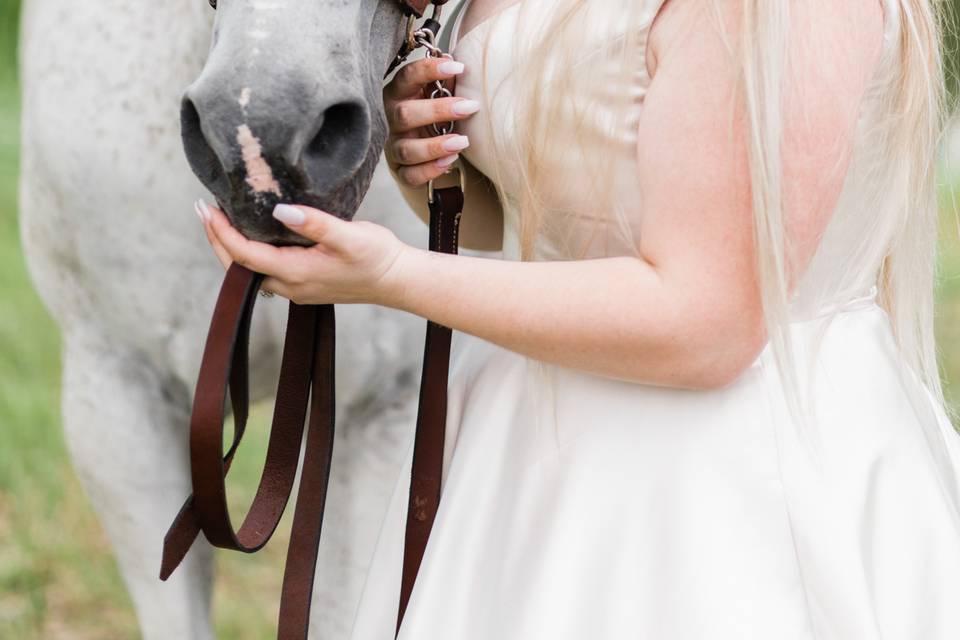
586	508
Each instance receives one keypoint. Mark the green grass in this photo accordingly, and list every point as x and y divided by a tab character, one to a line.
948	295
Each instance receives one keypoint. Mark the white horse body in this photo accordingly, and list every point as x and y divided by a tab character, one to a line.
120	259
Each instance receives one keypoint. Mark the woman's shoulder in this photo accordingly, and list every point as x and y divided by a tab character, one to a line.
824	31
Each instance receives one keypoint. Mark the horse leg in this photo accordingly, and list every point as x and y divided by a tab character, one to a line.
125	426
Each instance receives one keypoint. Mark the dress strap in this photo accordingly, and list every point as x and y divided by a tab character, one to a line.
450	35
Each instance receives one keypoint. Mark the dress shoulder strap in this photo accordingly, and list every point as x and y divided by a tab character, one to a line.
451	25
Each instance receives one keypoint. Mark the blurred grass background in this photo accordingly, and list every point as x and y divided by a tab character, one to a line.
58	579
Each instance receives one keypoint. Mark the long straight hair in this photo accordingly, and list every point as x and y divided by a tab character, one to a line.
550	51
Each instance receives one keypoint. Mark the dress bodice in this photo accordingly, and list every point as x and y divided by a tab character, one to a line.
847	262
566	173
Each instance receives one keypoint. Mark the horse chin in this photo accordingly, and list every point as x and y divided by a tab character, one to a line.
251	211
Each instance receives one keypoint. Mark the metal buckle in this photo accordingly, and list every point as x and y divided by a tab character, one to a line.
411	27
463	179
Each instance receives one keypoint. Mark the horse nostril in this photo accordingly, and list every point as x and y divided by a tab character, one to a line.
201	156
341	142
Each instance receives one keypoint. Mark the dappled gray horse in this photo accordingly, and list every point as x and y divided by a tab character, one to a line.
289	102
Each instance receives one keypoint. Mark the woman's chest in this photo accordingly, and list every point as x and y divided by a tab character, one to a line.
589	131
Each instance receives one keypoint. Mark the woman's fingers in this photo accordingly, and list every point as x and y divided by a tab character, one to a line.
407	151
415	158
324	228
256	256
219	250
408	115
417	175
272	285
410	78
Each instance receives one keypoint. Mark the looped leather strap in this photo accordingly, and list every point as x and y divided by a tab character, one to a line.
306	373
306	377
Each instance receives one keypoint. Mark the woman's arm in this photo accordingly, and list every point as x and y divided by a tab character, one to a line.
686	313
616	317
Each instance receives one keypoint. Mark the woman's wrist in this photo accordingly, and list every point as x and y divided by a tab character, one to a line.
394	287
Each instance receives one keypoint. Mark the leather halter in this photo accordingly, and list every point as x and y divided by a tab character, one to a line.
416	7
413	9
306	380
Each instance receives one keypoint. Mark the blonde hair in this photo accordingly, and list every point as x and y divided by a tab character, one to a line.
550	51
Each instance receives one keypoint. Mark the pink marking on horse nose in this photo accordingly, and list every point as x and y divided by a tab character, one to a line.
259	174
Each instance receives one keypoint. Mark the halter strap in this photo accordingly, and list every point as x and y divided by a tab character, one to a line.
417	7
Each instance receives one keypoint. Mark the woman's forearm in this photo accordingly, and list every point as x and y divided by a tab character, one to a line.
690	320
616	317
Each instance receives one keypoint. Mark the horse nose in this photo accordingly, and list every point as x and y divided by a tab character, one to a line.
337	144
274	154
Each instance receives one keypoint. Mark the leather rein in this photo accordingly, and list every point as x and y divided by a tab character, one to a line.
306	383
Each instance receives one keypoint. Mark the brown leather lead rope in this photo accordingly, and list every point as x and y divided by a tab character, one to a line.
306	374
427	464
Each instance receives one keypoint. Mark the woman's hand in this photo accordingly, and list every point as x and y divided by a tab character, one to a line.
353	261
413	152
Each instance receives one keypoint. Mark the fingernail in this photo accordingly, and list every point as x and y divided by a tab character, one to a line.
456	143
450	67
447	160
465	107
196	210
288	214
204	210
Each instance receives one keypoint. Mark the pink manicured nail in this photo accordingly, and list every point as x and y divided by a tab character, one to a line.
203	209
451	67
465	107
456	143
288	214
447	160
